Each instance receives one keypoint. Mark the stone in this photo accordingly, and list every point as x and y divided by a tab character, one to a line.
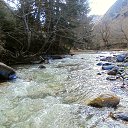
113	72
99	64
120	58
57	57
111	78
103	64
41	67
54	57
126	58
105	100
99	73
119	116
108	67
6	72
121	70
107	64
109	59
103	59
125	64
72	54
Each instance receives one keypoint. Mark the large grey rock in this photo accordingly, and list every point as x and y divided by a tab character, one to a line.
120	116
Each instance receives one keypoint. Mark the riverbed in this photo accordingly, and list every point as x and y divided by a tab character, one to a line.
57	97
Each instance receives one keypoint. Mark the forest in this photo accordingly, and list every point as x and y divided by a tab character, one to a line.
31	29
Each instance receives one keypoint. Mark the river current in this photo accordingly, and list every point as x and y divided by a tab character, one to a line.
57	97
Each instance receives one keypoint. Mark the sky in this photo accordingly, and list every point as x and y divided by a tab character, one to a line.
100	7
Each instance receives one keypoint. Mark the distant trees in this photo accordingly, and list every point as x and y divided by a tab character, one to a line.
37	27
83	30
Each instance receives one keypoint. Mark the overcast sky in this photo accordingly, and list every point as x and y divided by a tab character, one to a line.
99	7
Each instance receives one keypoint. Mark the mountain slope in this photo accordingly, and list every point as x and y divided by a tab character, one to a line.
112	30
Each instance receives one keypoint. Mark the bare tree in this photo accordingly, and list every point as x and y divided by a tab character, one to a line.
125	35
105	33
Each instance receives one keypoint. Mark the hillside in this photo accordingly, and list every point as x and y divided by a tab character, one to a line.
112	30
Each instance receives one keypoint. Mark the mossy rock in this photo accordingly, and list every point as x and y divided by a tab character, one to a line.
105	100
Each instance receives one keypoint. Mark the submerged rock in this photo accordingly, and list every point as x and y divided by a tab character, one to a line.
103	59
6	72
108	67
99	73
111	78
119	116
109	59
57	56
103	64
54	57
105	100
99	64
41	67
107	64
113	72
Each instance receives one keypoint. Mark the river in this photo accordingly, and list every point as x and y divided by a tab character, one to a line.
57	97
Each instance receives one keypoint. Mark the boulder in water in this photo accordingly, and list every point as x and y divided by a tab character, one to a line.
53	57
105	100
99	73
111	78
57	57
103	59
6	72
99	64
114	72
107	64
41	67
108	67
104	64
119	116
109	59
120	58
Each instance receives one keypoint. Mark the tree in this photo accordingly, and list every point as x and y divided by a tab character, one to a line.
83	29
45	27
105	34
125	35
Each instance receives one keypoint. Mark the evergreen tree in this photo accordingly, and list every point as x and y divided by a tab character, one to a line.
45	26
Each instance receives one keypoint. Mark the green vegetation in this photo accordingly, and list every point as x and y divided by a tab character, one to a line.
38	27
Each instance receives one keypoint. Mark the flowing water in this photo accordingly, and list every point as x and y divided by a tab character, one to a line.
57	97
